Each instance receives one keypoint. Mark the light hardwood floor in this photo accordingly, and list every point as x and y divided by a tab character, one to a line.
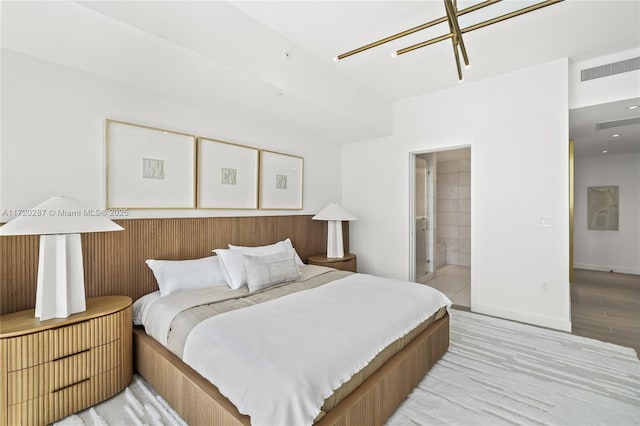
606	306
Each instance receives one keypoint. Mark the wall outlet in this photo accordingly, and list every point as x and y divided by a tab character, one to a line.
545	286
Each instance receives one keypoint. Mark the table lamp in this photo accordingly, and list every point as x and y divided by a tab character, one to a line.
334	214
59	222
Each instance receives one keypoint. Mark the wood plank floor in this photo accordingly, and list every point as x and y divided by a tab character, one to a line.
606	306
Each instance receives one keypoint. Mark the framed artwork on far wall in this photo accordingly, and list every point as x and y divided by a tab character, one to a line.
149	168
603	204
280	181
227	175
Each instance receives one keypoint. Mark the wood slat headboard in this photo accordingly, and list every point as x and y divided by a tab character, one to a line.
114	261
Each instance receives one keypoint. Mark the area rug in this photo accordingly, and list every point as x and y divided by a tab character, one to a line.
496	372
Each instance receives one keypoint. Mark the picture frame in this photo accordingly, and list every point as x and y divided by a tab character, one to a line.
281	181
148	167
227	175
603	208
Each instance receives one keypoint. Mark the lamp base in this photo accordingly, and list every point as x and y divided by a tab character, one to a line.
335	246
60	290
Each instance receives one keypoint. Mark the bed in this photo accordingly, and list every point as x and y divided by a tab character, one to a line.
192	337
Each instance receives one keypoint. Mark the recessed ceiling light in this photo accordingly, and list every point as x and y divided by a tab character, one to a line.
604	151
615	135
633	107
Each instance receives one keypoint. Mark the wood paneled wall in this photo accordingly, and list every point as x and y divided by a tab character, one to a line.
114	261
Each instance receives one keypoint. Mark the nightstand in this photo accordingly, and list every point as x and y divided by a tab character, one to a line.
51	369
346	263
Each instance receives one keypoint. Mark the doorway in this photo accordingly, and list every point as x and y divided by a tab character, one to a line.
441	222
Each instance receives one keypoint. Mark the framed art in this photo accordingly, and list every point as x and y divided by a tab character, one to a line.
227	175
280	181
149	168
603	205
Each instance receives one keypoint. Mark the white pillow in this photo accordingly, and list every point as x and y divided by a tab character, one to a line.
269	249
141	306
271	269
179	275
232	265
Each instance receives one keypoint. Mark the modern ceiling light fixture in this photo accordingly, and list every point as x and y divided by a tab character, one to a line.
455	32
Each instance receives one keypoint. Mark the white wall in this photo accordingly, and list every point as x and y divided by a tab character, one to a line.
517	127
603	90
52	137
608	250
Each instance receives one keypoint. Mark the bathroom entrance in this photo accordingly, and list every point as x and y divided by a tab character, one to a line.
442	222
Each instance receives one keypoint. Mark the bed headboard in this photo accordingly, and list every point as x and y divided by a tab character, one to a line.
114	261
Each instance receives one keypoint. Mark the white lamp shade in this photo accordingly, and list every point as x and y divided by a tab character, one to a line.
59	215
334	211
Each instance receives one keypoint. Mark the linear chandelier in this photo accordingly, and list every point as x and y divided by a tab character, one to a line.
455	32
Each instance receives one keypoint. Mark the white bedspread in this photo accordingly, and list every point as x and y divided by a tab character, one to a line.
279	360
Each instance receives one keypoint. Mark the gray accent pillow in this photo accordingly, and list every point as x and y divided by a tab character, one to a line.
266	271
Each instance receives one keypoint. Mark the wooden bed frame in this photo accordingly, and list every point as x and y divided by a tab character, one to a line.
114	264
200	403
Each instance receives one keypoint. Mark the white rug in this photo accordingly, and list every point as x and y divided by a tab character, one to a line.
496	372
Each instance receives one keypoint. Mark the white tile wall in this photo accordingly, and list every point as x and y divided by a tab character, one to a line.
453	200
448	219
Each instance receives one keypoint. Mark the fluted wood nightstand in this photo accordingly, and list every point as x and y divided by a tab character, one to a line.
346	263
51	369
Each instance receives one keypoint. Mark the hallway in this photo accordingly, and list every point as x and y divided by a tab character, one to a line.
606	306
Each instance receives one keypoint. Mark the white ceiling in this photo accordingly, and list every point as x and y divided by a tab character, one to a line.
575	29
273	62
591	142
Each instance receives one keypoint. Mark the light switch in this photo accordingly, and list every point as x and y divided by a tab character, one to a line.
544	221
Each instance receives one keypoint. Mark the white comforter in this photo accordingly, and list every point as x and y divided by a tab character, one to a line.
279	360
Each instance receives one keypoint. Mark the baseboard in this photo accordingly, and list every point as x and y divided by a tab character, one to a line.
542	321
607	268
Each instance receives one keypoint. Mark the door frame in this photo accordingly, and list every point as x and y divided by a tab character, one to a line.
412	218
571	206
412	212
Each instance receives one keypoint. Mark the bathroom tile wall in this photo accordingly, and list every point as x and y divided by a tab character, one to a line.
454	209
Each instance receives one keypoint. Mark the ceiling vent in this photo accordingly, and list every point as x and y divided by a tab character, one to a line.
610	69
635	121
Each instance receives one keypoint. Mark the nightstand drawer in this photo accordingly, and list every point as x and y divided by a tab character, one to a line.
106	329
65	401
45	409
71	399
32	382
38	348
